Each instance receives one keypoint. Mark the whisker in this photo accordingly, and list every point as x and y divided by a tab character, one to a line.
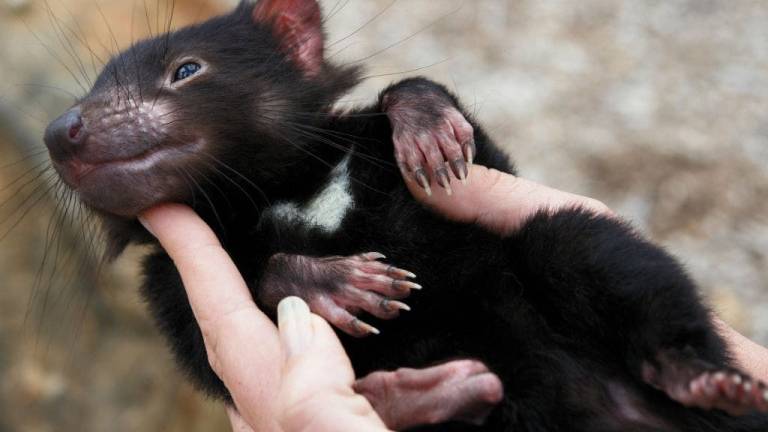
51	241
228	178
128	94
65	42
207	198
40	196
24	158
41	268
82	39
365	24
421	68
146	15
49	87
24	185
57	251
55	56
373	160
406	39
189	185
335	9
209	180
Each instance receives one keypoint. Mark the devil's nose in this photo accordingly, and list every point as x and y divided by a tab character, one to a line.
65	135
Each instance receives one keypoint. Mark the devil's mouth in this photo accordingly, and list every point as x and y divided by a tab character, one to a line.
77	170
126	186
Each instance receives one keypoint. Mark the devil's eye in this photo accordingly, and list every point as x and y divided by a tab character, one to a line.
186	70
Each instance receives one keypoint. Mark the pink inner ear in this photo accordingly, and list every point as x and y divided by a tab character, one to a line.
297	24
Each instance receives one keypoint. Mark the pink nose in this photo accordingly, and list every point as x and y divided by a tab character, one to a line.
74	130
64	136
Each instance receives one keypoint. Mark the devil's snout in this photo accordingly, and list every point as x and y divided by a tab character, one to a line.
65	135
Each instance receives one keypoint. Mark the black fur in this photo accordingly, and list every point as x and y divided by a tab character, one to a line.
564	310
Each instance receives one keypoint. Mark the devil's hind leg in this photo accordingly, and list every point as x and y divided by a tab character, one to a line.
595	280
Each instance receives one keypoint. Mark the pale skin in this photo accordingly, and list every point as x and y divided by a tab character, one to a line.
296	377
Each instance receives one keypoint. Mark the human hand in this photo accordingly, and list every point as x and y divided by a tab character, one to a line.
499	201
502	202
296	379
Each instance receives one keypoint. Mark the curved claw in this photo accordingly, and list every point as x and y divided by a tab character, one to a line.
444	180
338	287
364	328
394	306
460	170
399	273
423	180
428	140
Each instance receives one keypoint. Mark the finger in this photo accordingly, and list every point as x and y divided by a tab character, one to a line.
321	364
502	202
212	281
241	342
309	342
753	358
294	322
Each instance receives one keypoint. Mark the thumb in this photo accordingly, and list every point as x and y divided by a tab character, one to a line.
310	346
316	393
499	201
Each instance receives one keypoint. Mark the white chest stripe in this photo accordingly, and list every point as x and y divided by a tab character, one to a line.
326	210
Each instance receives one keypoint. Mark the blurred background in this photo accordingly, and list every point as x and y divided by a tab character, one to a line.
658	108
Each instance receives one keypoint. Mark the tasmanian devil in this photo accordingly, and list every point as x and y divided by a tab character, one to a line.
571	323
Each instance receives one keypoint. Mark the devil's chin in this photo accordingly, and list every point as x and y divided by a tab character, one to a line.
122	192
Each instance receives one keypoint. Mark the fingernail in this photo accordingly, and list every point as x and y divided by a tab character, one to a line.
294	321
146	225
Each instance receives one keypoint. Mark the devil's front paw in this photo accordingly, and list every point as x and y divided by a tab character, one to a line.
432	137
339	288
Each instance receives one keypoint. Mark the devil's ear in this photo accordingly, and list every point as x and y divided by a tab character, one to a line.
297	24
